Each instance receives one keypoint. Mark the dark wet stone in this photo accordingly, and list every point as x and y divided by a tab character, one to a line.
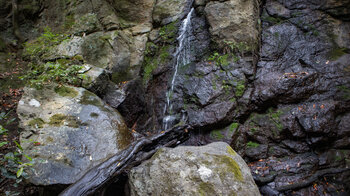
256	153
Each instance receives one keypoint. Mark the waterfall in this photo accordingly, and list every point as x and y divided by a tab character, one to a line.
182	57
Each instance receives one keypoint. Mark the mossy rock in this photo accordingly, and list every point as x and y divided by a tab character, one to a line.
65	91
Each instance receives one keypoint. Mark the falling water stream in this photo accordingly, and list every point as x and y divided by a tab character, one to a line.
182	56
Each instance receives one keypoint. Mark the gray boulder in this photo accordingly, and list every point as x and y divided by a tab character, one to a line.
234	21
214	169
166	11
68	130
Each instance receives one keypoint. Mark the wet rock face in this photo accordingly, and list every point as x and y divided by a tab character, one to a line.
301	85
68	130
206	170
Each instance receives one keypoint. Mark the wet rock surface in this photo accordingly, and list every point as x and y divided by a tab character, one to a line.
68	130
205	170
282	104
302	73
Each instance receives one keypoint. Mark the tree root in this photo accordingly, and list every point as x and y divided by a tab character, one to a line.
312	179
103	174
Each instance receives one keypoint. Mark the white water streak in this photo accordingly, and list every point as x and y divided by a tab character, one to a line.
182	56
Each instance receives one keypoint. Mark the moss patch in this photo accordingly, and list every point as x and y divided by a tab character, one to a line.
168	32
231	151
229	165
37	123
336	53
251	144
216	134
66	91
240	88
94	115
58	120
206	189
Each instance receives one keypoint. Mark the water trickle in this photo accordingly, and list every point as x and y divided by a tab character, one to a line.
182	56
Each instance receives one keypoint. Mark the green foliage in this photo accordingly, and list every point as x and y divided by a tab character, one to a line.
12	165
220	60
240	47
251	144
168	32
34	50
43	74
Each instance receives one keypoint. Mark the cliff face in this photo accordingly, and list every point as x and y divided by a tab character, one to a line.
271	78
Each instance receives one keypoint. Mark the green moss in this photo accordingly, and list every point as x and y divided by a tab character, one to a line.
231	151
253	130
57	120
89	98
275	118
216	134
233	127
206	189
251	144
240	88
168	32
94	115
336	53
37	123
164	54
228	165
65	91
150	65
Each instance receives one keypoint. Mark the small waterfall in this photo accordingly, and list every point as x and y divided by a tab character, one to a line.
182	56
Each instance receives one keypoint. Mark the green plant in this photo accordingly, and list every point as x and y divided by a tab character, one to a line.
220	60
43	74
12	165
34	50
240	47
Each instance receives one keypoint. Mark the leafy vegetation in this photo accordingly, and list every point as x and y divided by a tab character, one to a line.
61	71
43	74
220	60
12	165
34	50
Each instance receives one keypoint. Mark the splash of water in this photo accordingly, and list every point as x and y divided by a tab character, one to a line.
182	56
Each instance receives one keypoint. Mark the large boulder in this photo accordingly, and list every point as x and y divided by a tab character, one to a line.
214	169
233	21
68	130
166	11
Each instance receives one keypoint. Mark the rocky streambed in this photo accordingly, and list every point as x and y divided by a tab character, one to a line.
269	78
